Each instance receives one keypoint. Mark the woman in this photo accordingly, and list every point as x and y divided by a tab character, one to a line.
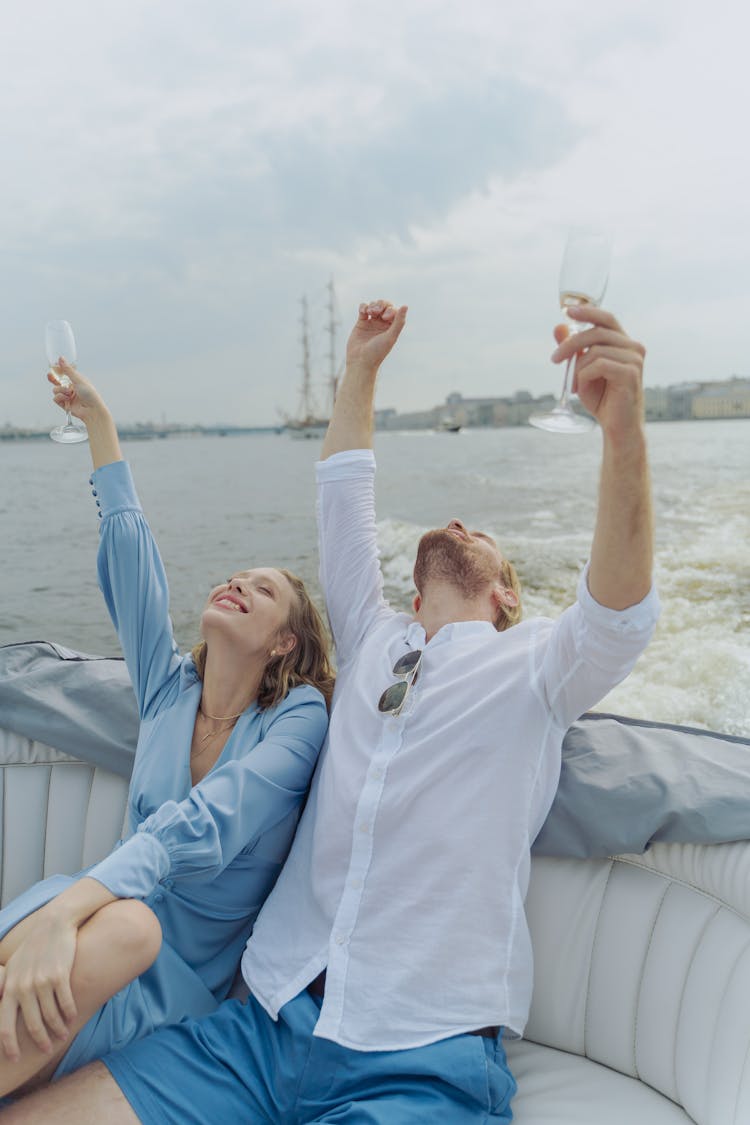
228	740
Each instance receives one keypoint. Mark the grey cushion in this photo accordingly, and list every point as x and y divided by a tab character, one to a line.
625	783
80	704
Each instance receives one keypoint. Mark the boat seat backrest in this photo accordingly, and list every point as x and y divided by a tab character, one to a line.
57	815
642	963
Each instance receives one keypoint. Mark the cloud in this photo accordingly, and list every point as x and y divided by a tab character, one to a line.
177	176
410	171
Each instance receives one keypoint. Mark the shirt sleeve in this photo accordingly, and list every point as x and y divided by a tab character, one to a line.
134	585
229	810
350	573
590	649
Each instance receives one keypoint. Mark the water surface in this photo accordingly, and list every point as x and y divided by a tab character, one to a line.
220	504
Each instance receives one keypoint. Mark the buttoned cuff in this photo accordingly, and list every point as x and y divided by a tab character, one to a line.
113	488
638	618
347	465
135	868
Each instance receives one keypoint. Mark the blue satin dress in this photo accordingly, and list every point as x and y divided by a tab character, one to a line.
203	857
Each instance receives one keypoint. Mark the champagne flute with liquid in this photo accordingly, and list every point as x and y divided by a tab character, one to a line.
59	341
583	279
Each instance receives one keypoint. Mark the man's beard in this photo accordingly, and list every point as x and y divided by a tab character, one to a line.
444	557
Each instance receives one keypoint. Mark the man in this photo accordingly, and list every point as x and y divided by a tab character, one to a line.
393	953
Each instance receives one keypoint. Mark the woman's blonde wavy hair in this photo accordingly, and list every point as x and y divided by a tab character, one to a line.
307	663
508	615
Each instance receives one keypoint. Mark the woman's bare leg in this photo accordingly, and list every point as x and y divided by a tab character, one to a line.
115	946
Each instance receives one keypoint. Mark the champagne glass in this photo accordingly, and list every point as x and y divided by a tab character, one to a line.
583	280
60	341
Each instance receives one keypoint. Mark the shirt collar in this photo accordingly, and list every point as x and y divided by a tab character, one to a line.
415	635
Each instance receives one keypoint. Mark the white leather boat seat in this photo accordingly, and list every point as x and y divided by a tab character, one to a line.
57	815
642	979
641	1008
556	1088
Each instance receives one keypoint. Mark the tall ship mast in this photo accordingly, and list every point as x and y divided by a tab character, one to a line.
309	423
306	410
334	371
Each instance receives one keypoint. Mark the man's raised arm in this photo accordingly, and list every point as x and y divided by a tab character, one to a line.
609	382
378	327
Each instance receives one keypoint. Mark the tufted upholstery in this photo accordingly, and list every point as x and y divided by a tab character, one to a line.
642	966
641	1010
56	815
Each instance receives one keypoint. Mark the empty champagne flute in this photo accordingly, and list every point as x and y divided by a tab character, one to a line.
59	342
583	279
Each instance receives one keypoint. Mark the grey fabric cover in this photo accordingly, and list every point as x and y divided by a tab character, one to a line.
625	783
80	704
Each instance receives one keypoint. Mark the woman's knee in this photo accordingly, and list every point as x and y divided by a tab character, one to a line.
134	931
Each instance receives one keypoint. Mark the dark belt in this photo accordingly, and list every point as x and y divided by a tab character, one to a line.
317	987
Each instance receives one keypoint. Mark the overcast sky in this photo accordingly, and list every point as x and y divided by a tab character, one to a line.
175	175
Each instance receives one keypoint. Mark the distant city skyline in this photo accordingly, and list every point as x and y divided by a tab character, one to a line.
728	398
176	177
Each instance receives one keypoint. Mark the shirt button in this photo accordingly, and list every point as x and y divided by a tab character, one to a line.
355	884
159	897
365	827
340	939
376	773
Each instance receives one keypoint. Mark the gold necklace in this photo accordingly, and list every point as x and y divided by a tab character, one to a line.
219	718
228	720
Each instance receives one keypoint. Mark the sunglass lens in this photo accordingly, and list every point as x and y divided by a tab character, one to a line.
407	662
393	697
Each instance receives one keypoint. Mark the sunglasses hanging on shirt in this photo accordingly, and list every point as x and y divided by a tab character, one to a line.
406	668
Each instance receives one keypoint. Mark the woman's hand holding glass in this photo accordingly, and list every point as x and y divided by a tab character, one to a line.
60	345
78	397
74	393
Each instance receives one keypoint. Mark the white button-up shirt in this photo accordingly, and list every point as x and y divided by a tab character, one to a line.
408	873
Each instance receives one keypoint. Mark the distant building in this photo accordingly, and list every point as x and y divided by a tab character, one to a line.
513	411
384	417
472	411
729	398
680	398
657	403
723	400
415	420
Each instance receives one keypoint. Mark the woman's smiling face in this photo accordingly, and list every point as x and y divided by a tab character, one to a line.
252	606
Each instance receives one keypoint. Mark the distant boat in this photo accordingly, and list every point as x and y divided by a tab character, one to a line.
308	424
448	425
307	428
